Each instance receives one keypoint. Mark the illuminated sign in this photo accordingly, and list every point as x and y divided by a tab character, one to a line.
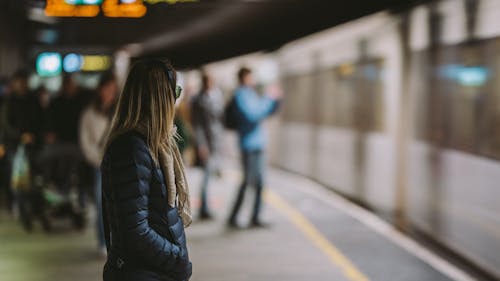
90	8
110	8
51	63
472	76
96	63
124	9
465	75
48	64
60	8
83	2
72	62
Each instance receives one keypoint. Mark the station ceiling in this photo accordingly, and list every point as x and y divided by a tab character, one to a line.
195	33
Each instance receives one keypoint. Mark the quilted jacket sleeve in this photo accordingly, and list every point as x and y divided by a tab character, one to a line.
130	172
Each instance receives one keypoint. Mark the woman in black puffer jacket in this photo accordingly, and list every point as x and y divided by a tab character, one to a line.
145	194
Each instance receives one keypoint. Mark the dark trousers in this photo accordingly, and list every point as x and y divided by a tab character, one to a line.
62	164
253	171
31	206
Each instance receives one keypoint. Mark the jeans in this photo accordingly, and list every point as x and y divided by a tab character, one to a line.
98	205
208	170
253	170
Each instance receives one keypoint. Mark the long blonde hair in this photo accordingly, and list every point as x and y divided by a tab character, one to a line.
147	100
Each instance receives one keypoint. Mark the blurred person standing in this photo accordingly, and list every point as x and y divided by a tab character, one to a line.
7	146
146	199
21	113
207	112
94	125
24	121
63	129
41	111
249	111
65	112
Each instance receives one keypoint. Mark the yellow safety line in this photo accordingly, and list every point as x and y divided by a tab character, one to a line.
315	236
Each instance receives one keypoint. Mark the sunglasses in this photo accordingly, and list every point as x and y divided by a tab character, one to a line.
170	75
178	91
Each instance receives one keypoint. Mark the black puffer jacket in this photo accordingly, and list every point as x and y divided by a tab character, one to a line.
147	240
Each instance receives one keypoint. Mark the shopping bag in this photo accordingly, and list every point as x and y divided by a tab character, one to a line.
21	174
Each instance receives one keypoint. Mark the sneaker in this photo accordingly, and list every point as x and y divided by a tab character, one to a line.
231	224
259	224
206	216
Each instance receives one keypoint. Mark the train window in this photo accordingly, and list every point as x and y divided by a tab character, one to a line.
326	102
345	96
298	91
288	88
349	96
359	95
460	107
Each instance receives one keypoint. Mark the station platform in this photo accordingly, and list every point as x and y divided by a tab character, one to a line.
313	235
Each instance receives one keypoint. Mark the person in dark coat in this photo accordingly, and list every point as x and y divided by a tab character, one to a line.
7	146
145	195
22	121
65	111
21	110
65	156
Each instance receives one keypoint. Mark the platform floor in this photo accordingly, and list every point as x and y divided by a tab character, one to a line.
314	235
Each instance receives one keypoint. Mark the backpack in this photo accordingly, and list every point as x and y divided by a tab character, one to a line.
231	115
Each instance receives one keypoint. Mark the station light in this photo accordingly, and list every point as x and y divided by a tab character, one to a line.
72	62
346	69
48	64
472	76
465	75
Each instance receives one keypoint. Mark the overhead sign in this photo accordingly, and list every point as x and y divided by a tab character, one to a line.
83	2
110	8
48	64
124	8
60	8
91	8
52	64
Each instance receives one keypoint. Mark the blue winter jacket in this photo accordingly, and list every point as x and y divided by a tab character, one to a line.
253	109
146	240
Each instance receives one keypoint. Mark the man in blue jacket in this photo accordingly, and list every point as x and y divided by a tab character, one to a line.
252	109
